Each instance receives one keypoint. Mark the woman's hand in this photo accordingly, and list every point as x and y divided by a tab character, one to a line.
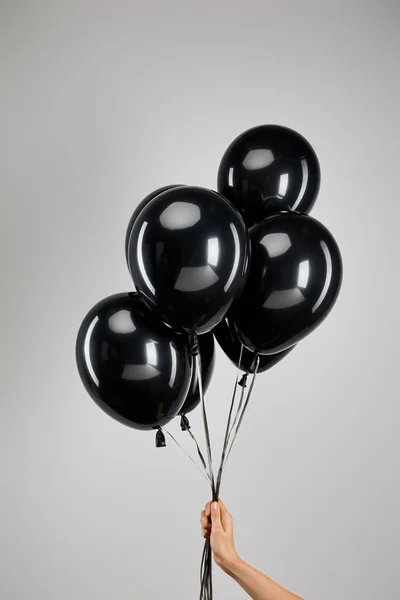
217	524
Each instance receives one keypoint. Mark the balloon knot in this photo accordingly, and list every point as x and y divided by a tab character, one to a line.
193	349
160	439
185	425
243	381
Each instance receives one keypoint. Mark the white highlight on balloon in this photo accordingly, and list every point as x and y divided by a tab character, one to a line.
236	254
151	353
194	279
304	168
212	251
86	350
276	244
173	365
139	372
283	184
180	215
140	258
304	273
258	159
327	278
121	322
281	299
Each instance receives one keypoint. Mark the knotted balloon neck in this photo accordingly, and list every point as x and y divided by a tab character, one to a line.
243	381
185	425
193	348
160	439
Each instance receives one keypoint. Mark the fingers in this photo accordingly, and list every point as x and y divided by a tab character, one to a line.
226	518
220	517
227	523
204	520
224	510
206	530
216	517
205	525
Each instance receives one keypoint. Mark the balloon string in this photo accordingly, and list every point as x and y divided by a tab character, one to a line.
203	462
243	384
206	428
257	364
224	454
228	424
206	588
204	474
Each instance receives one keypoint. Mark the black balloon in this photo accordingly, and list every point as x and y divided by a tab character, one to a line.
189	257
269	169
133	366
229	341
207	356
138	210
294	280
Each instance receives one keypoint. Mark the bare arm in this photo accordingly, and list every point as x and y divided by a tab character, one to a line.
218	526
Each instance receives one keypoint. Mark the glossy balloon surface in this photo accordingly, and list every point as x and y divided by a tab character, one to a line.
207	355
133	366
294	280
228	339
138	210
189	256
269	169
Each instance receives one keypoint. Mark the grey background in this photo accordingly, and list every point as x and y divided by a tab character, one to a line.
101	102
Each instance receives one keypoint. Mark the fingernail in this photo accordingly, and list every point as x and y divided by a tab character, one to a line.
214	505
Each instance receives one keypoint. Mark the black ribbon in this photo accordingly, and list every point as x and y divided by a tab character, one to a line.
205	472
206	587
206	591
232	428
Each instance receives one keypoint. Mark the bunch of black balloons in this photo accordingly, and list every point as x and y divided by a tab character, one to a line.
245	264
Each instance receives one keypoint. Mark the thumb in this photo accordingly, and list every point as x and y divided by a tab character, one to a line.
216	516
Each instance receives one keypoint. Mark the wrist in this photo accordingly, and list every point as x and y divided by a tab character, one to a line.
231	565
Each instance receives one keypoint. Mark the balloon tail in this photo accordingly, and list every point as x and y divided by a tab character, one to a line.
160	439
185	425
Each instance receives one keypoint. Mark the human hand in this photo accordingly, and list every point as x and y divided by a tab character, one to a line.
217	525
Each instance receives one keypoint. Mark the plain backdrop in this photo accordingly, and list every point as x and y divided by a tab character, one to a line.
102	102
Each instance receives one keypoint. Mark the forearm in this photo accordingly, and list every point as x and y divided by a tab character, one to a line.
257	585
